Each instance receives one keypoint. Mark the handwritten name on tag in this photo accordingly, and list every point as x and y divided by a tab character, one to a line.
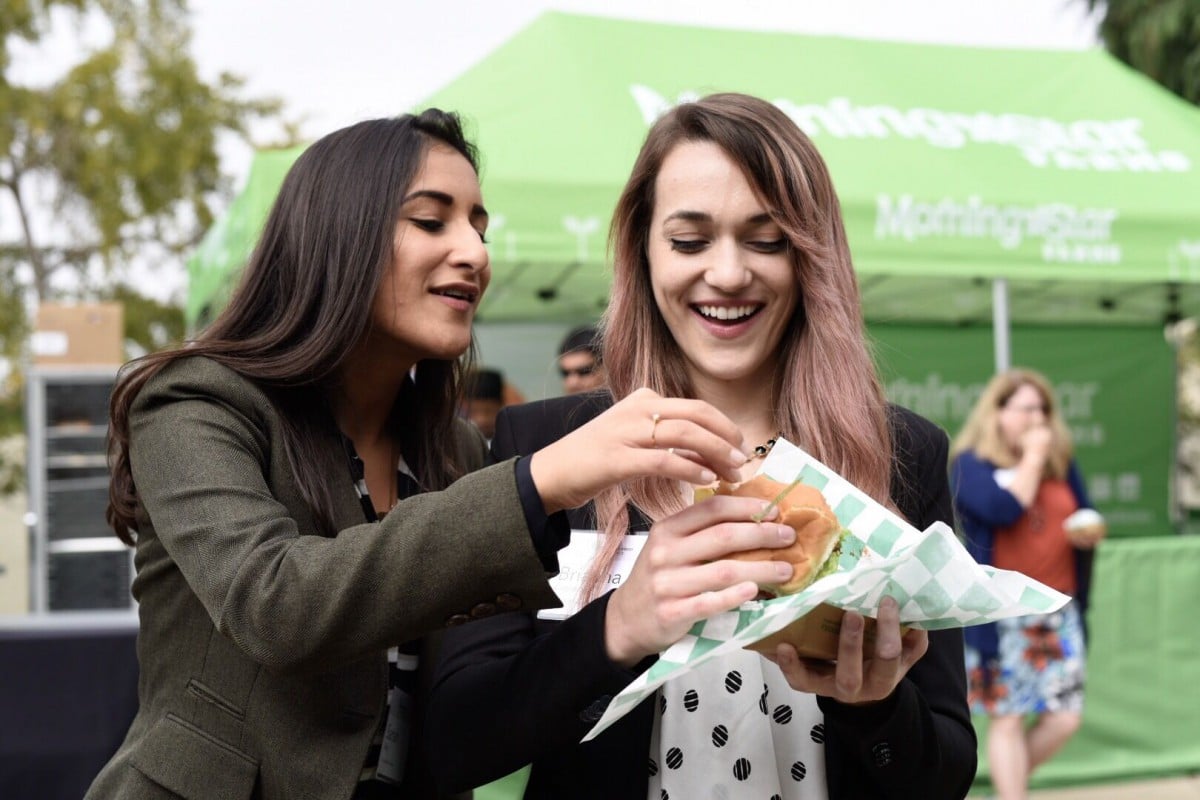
575	559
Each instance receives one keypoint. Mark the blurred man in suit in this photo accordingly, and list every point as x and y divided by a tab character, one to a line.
579	361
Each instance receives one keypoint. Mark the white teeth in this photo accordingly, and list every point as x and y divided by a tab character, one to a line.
726	312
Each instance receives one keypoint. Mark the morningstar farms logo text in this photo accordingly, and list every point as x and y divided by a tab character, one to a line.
1066	233
1102	145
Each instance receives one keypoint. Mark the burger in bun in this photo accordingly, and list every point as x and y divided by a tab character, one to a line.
813	555
819	535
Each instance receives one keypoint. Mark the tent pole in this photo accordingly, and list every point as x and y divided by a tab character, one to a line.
1000	324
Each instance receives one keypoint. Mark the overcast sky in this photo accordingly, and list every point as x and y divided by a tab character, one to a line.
338	62
334	63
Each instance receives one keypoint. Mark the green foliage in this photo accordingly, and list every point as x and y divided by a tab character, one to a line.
13	332
14	327
124	143
149	324
1160	38
112	161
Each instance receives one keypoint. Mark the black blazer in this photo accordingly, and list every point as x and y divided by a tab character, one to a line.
513	689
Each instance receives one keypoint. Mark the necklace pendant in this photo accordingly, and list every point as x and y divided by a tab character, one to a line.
764	448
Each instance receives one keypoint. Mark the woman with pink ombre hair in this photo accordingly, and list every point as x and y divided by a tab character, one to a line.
732	285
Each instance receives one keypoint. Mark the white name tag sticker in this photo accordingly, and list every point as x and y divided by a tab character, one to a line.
575	559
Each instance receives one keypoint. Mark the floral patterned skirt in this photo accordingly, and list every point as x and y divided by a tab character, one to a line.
1041	666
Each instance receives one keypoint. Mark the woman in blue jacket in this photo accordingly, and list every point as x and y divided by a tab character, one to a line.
1015	484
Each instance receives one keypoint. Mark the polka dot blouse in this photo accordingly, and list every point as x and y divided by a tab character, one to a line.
734	730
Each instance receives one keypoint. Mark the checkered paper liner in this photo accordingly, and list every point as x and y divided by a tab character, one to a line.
930	574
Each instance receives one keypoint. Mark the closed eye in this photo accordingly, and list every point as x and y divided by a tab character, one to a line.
773	246
688	245
426	224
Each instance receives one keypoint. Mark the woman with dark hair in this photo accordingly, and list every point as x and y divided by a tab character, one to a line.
1018	490
732	284
305	503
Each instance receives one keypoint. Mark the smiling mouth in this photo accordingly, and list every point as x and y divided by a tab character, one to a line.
727	315
458	294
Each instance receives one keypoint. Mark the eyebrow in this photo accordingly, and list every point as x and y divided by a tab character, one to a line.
443	199
704	216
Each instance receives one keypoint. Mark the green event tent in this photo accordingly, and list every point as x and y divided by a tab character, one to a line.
1052	188
1066	173
1056	192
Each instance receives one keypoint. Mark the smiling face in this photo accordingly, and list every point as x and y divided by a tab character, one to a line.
721	270
426	301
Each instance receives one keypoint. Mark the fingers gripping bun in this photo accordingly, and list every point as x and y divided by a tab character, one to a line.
818	531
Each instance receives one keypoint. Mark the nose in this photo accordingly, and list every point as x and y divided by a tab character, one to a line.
468	249
725	270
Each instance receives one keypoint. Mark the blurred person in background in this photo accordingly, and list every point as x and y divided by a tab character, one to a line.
579	360
307	508
1016	486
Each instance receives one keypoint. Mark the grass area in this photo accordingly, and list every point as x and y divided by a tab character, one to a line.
510	787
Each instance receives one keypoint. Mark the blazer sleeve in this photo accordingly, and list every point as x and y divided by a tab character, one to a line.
919	743
215	491
510	689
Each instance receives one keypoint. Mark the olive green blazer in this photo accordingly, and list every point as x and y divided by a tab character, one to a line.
262	644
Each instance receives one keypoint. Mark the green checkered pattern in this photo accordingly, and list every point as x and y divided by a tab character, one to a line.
930	574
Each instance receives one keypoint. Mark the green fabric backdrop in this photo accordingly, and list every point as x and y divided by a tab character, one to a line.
1142	704
1115	387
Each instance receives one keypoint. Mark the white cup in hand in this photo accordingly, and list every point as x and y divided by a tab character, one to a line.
1085	528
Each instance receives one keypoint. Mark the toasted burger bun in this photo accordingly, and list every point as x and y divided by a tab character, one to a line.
804	509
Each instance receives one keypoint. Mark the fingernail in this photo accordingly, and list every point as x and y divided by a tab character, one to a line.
783	570
706	476
737	457
853	622
768	511
889	603
787	534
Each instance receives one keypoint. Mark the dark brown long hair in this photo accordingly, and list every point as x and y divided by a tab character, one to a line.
830	399
304	302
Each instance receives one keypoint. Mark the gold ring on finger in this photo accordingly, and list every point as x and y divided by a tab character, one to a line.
654	418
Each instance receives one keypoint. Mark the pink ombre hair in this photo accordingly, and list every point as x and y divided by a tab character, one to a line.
831	401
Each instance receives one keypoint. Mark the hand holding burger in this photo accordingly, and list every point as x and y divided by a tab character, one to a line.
859	661
819	535
686	573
